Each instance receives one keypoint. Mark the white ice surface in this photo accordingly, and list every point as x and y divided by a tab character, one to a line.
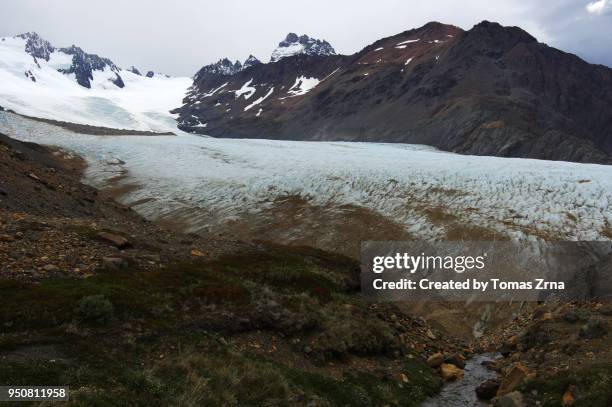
226	177
143	104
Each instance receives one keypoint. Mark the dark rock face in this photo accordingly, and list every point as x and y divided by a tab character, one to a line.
251	61
222	67
491	90
134	70
83	65
36	46
150	74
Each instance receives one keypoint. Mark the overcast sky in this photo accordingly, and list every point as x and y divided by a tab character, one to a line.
178	37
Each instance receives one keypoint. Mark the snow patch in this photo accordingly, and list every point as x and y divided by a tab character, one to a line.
213	91
261	99
245	90
408	42
302	85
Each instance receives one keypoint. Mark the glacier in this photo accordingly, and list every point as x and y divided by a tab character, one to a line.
221	179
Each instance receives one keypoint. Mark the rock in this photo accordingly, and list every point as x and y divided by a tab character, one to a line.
512	341
450	372
488	389
594	328
457	360
400	377
114	263
33	176
547	316
435	360
504	350
50	268
513	379
6	238
513	399
197	253
431	335
489	364
118	241
569	397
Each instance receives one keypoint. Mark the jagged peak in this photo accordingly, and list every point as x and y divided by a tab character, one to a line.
251	61
37	46
303	44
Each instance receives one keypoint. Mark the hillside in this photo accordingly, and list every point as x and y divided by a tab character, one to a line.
491	90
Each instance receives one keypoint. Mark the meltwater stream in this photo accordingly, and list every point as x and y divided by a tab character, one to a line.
462	393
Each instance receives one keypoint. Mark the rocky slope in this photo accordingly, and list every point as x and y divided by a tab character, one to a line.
552	354
491	90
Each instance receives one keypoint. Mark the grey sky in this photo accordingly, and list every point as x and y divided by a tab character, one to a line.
178	37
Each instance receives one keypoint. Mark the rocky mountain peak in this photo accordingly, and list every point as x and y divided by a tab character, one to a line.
83	65
37	46
495	36
250	61
295	45
134	70
225	67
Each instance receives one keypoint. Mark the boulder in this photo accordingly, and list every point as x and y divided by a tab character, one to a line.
569	397
515	376
435	360
450	372
118	241
457	360
488	389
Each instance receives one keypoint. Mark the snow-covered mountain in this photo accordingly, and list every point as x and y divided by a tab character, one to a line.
294	45
69	84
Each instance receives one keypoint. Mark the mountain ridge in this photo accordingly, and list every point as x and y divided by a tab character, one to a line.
490	90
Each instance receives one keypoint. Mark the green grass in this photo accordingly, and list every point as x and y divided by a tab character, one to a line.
159	349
